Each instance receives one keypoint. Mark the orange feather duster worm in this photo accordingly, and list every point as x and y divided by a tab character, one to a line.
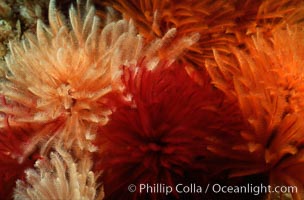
218	22
267	84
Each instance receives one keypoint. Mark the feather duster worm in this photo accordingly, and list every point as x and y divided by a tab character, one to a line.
219	23
154	18
59	79
267	83
159	137
59	177
269	15
10	171
12	165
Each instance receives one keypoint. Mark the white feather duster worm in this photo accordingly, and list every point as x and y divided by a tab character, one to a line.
59	177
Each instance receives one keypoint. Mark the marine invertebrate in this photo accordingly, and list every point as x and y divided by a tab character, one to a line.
267	83
60	78
59	177
265	16
12	164
50	79
154	18
159	137
10	171
220	23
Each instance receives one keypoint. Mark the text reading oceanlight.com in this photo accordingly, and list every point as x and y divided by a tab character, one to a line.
215	188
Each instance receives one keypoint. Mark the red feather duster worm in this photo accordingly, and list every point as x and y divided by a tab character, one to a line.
159	136
13	140
267	84
11	167
10	171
